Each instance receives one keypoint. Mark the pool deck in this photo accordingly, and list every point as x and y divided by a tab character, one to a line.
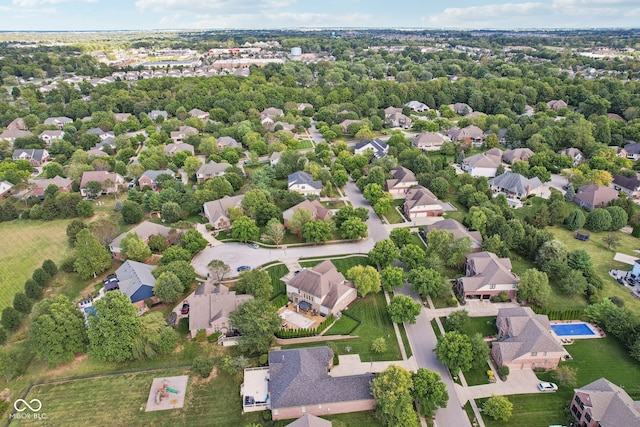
568	339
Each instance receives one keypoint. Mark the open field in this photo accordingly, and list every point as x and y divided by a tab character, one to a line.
25	244
603	259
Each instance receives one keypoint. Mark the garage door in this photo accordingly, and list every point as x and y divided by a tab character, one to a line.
421	215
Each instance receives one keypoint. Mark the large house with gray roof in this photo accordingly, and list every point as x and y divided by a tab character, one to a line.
429	141
628	185
487	276
458	230
322	288
403	179
144	231
299	384
37	157
211	169
604	404
525	340
149	178
515	186
217	211
517	154
303	183
377	146
483	164
136	281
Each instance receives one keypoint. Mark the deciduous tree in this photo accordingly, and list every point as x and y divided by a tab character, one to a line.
412	256
256	283
245	229
403	308
429	391
218	269
316	231
91	256
394	403
365	279
498	407
392	277
258	321
168	287
454	351
426	282
383	253
135	248
274	232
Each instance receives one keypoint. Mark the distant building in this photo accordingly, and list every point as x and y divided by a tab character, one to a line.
5	188
39	185
483	164
211	169
302	182
429	141
604	404
377	146
420	202
217	211
403	179
149	178
556	105
517	154
591	196
144	231
458	230
37	157
486	276
629	186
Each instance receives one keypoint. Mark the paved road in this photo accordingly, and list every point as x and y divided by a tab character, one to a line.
423	341
316	136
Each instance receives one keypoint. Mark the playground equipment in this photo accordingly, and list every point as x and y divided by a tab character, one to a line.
163	392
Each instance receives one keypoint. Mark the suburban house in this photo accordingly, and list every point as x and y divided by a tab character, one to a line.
11	135
211	169
121	117
103	135
556	104
195	112
516	154
37	157
392	110
39	185
17	124
303	106
274	158
227	141
48	136
321	288
417	106
591	196
299	384
310	421
483	164
345	124
96	152
210	307
604	404
461	109
317	210
429	141
173	148
632	150
58	122
629	186
575	154
620	151
136	281
471	134
5	188
420	202
302	182
116	181
154	114
403	179
280	125
396	120
515	186
144	231
379	148
525	340
217	211
486	276
179	135
268	115
149	178
458	230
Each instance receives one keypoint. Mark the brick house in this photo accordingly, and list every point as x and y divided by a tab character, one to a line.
420	202
217	211
403	179
144	231
604	404
486	276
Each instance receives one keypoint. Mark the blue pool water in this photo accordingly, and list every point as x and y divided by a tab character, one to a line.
568	329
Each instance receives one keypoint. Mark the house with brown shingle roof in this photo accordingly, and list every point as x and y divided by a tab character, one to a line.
17	124
591	196
196	112
556	104
5	187
310	421
144	231
299	384
101	177
420	202
173	148
217	211
317	210
322	288
486	276
39	185
12	134
183	131
483	164
403	179
604	404
576	155
211	169
471	134
429	141
458	230
519	154
48	136
525	340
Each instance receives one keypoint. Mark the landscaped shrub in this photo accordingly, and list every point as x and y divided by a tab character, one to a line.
202	366
452	302
280	300
201	335
3	337
503	371
214	337
67	265
148	302
263	360
614	299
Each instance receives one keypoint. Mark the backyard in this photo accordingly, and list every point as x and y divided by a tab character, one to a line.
27	244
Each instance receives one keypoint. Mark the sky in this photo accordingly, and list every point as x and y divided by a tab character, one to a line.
68	15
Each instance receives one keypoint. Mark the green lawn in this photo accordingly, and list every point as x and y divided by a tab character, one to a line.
343	326
603	259
275	273
374	323
353	419
333	204
529	209
393	216
119	399
405	340
436	330
532	410
416	240
26	245
477	376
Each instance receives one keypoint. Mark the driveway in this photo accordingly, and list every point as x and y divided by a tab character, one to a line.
423	342
557	182
315	135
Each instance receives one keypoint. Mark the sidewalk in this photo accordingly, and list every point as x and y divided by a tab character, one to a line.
207	235
350	364
518	382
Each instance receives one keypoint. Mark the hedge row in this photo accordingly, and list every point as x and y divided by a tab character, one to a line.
301	333
560	314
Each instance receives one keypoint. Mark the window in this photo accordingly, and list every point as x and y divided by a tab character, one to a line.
492	286
534	353
303	409
587	416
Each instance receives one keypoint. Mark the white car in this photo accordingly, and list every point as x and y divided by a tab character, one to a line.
547	387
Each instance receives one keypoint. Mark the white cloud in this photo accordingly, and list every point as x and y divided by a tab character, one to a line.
267	20
33	3
554	13
222	6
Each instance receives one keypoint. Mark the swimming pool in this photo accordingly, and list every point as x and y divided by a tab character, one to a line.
572	329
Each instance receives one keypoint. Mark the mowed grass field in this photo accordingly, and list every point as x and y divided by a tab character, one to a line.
23	247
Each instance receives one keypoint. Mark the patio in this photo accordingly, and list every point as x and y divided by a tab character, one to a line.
292	318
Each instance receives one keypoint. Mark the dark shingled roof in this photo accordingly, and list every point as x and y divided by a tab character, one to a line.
300	377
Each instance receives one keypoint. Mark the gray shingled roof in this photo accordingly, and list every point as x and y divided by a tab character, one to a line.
489	270
609	404
301	177
153	174
132	275
458	230
420	196
515	183
144	230
300	377
309	420
323	281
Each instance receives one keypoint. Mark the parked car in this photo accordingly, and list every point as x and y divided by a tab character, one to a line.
243	268
547	387
185	308
254	245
